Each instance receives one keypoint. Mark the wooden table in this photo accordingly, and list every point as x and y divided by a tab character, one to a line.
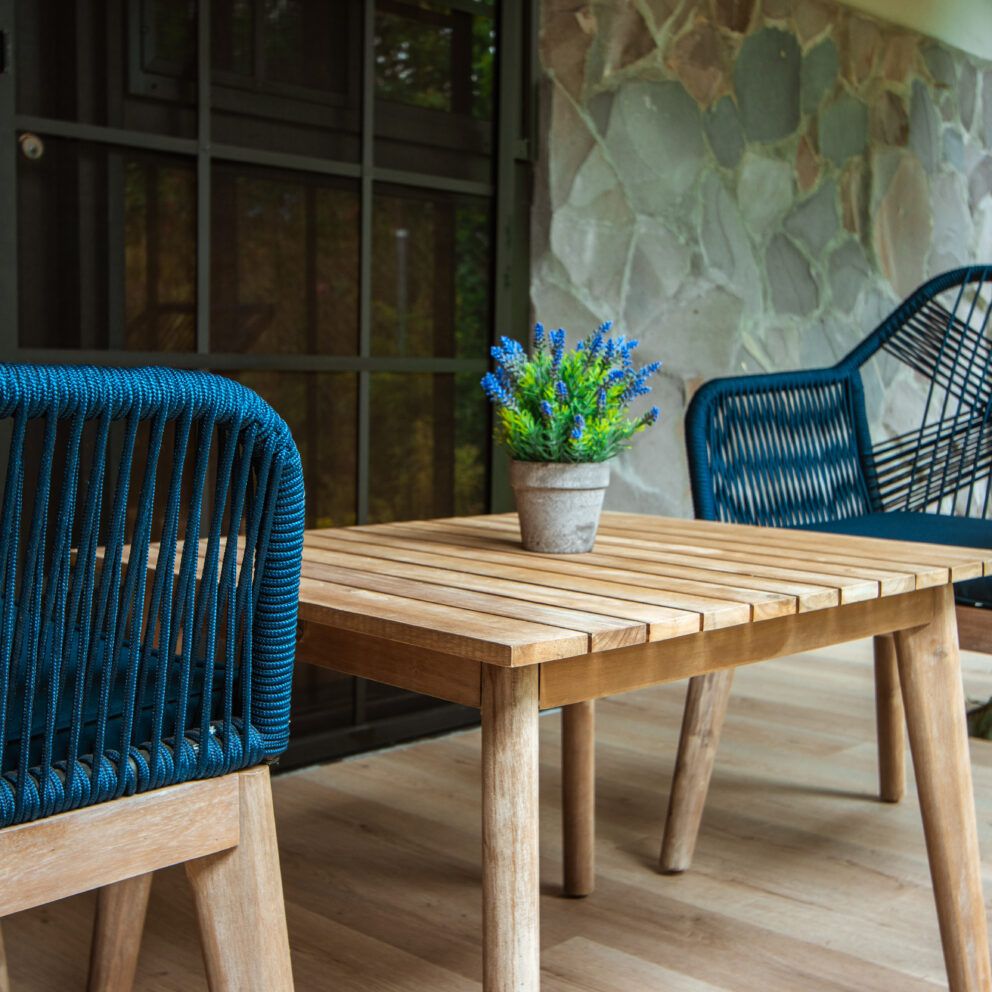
455	609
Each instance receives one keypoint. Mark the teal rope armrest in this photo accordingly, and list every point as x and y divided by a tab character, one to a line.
150	545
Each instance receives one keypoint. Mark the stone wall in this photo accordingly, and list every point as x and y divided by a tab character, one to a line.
748	185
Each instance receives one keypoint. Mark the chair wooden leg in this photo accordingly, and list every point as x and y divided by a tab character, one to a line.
4	977
120	918
702	721
578	776
889	720
239	901
930	675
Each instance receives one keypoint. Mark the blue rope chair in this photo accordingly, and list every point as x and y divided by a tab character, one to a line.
794	449
150	545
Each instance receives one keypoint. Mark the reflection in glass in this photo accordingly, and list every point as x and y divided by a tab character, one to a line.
284	264
427	451
159	259
129	64
430	276
471	446
231	38
106	248
299	43
433	57
168	32
321	411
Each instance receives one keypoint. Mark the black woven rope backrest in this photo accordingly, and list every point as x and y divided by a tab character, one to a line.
150	539
775	450
940	457
794	448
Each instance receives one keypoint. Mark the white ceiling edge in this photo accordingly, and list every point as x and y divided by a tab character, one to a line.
965	24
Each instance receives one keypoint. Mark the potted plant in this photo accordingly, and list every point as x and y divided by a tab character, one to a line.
562	416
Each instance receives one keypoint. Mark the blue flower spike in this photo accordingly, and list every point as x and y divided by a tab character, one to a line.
563	406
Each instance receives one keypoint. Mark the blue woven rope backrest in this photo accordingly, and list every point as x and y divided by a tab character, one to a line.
939	456
150	541
776	450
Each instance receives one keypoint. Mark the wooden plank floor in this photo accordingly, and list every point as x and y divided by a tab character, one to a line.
802	883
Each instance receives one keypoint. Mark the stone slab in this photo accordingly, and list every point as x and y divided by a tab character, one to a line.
766	82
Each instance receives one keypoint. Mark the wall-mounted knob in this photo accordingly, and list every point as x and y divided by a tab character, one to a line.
32	146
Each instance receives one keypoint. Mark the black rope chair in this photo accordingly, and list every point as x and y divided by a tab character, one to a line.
794	449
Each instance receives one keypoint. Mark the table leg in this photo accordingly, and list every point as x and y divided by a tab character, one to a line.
705	709
933	695
889	721
578	796
511	956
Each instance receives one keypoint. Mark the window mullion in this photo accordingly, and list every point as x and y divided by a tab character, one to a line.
365	265
8	188
203	170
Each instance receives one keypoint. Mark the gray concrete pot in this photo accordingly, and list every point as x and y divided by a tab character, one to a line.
559	503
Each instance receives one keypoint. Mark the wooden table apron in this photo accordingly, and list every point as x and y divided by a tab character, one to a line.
511	690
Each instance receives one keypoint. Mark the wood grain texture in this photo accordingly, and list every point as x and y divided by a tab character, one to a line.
890	719
520	566
610	672
500	599
777	593
974	629
4	974
930	676
239	901
464	586
627	547
801	881
927	569
478	636
99	845
117	927
458	680
396	558
511	944
705	710
578	800
715	569
966	561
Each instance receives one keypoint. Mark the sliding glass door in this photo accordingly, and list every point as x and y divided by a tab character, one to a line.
300	194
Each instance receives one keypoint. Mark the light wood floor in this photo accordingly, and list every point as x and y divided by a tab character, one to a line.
801	883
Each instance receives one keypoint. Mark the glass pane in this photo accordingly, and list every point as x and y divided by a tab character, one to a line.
473	281
284	263
429	56
300	43
159	258
321	411
427	453
231	36
430	276
303	44
106	247
286	76
471	446
168	35
127	65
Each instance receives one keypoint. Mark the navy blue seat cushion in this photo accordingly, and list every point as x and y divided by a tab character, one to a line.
930	528
143	711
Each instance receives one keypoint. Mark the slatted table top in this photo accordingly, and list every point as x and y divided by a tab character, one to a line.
464	586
